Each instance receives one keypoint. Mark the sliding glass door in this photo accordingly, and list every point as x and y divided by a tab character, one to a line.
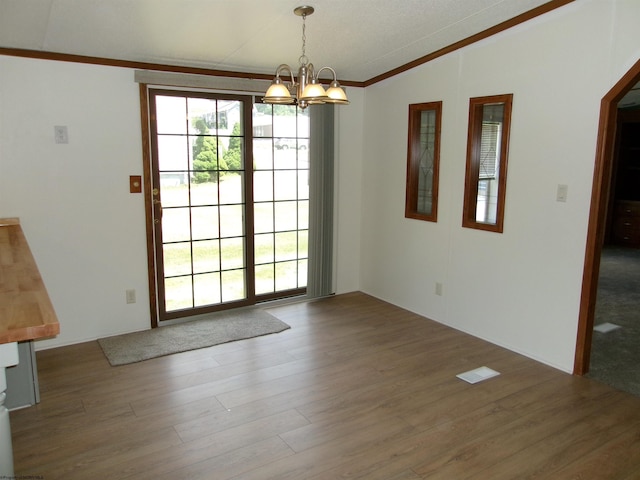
229	201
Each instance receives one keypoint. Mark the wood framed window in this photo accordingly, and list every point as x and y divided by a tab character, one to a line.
423	157
487	154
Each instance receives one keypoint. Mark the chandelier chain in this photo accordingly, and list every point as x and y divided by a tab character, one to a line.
303	58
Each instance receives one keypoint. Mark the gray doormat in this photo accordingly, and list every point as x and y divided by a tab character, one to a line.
219	328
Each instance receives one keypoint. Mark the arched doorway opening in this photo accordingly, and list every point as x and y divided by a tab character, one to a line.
597	215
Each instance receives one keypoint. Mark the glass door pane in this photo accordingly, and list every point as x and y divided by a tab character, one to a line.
199	202
281	198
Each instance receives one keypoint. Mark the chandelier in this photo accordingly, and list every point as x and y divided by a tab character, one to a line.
308	90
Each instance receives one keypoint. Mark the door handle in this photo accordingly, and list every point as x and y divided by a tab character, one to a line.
159	204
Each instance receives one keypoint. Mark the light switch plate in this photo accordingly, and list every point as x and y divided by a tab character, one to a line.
135	184
61	134
563	191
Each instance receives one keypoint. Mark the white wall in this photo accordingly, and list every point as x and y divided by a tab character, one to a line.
519	289
348	187
85	229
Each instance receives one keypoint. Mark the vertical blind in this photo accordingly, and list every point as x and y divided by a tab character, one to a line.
321	157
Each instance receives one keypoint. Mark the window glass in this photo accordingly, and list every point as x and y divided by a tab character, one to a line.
486	172
423	152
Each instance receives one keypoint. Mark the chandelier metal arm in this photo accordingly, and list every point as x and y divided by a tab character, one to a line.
333	72
284	68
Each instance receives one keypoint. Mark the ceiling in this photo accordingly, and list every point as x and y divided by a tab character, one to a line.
360	39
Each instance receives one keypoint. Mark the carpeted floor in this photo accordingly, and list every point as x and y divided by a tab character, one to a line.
213	330
615	356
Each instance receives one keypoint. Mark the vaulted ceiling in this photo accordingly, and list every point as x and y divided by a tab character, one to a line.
360	39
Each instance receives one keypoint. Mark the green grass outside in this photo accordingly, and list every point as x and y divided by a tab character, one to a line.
280	256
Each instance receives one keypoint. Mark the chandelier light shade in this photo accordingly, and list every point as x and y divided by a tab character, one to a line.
307	89
278	93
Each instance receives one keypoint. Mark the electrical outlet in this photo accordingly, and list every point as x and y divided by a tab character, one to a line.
131	296
438	288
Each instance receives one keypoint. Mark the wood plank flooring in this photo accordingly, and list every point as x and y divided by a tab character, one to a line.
357	388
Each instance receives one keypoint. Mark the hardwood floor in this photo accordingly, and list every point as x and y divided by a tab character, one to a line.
357	388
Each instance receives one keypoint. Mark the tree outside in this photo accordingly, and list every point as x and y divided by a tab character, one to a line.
232	158
206	154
